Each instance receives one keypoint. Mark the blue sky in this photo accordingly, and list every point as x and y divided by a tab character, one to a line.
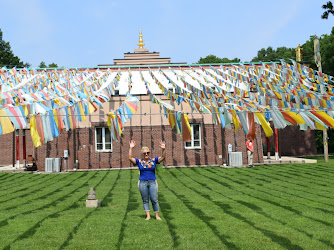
85	33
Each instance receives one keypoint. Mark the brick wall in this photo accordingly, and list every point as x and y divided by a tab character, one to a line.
292	142
80	144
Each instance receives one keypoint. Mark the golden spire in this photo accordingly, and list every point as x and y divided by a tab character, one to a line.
299	53
141	42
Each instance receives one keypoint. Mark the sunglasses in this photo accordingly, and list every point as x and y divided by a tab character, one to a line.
146	153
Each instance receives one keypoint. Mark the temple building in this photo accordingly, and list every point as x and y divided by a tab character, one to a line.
180	88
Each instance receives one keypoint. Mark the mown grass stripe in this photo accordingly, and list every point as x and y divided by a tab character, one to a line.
25	190
281	240
127	210
301	179
202	216
4	177
90	228
90	211
284	182
275	203
286	189
31	231
29	197
17	184
47	203
13	180
251	206
275	179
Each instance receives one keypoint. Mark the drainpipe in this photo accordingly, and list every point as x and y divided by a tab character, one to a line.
17	140
276	145
268	148
13	150
24	148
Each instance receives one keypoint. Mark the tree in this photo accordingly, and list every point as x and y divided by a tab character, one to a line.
215	59
51	65
42	65
7	57
326	51
329	10
270	54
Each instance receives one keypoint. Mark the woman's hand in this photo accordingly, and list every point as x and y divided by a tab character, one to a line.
132	144
162	144
163	147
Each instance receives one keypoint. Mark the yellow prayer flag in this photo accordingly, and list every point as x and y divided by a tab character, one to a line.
82	113
34	133
235	120
298	118
6	124
70	117
319	126
265	125
324	103
54	111
329	119
25	109
91	108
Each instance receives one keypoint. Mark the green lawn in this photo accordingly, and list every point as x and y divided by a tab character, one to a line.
267	207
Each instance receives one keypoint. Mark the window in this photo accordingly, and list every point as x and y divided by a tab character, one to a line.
103	139
195	137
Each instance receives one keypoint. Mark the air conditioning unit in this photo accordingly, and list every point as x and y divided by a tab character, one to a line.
49	165
235	159
57	165
52	165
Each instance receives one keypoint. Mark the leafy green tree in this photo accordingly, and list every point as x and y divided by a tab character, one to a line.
42	65
7	57
53	65
329	9
215	59
270	54
326	51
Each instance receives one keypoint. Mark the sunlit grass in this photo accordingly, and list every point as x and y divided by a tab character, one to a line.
267	207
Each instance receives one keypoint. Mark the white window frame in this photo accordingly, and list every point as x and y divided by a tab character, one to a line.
103	140
192	137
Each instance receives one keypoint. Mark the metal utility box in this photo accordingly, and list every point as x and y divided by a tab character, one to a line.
52	165
235	159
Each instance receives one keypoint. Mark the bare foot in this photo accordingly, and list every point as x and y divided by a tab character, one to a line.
147	218
158	218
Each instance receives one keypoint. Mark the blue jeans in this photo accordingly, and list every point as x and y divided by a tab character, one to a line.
149	190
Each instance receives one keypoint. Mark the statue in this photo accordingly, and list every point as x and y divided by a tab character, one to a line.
92	201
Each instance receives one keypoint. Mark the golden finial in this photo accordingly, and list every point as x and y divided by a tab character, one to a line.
299	53
141	42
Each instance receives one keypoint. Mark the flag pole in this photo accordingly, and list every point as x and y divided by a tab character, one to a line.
317	59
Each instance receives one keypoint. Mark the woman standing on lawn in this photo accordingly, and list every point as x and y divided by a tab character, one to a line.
148	186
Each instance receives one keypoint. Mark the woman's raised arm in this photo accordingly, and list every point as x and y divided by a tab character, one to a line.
132	145
163	146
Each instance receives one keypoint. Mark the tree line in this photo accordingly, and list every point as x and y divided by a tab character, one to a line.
270	54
